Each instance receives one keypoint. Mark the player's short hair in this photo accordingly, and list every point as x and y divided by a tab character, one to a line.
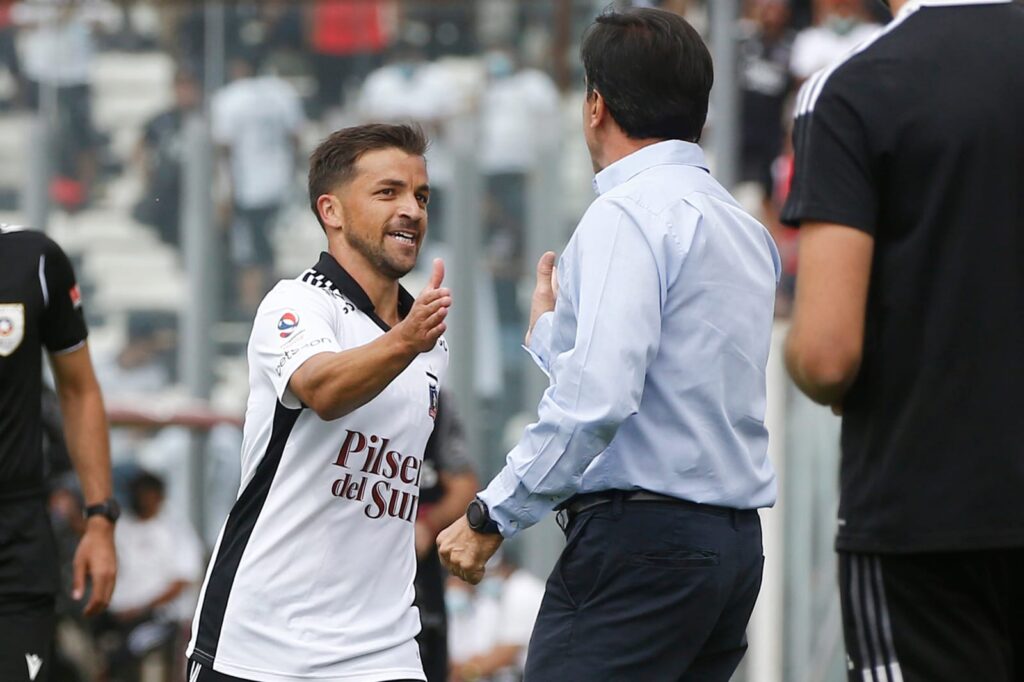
653	70
334	161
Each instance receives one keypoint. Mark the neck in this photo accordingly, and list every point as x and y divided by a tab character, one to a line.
619	146
382	290
897	5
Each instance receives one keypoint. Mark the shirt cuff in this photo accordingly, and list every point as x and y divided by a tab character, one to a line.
499	496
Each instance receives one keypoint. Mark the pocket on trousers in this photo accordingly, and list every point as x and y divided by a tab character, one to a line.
675	558
580	564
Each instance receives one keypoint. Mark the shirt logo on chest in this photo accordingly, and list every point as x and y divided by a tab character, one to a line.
12	327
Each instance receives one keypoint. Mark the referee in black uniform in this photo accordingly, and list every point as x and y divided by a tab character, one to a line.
40	307
909	189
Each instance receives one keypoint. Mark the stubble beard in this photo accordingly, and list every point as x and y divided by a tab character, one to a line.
377	256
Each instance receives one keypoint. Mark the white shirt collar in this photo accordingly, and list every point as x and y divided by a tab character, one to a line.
660	153
915	5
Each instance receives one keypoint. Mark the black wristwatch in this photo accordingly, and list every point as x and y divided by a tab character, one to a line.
479	518
108	508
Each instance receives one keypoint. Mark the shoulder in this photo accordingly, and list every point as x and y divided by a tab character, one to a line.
29	242
859	78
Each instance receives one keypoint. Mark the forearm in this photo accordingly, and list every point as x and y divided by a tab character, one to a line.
85	426
820	376
335	384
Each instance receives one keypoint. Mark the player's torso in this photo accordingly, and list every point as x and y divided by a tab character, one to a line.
329	566
21	305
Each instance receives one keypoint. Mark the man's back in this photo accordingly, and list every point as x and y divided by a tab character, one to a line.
933	109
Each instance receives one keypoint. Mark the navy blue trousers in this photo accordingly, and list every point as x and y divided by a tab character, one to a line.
649	591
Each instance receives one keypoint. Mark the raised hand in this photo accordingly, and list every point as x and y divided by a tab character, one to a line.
426	320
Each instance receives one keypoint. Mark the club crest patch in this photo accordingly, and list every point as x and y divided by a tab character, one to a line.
12	327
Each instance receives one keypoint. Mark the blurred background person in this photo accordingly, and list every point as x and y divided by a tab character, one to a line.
159	156
839	27
57	53
492	622
256	120
161	564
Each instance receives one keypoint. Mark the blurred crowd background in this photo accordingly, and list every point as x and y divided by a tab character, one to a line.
164	145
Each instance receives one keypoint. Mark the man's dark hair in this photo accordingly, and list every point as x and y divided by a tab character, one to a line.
334	161
653	70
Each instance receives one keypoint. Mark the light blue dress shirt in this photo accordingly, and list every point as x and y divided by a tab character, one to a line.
656	348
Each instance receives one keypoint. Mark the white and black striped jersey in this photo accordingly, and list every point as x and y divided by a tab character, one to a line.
312	576
917	139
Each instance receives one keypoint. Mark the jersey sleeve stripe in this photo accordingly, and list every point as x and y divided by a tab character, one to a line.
42	280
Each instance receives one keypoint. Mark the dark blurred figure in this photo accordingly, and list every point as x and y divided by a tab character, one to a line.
448	483
765	52
444	27
8	50
159	154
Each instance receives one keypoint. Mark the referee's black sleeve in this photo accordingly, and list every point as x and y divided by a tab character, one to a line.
833	178
63	324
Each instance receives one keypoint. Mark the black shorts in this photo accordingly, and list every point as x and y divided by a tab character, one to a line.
28	552
936	617
26	638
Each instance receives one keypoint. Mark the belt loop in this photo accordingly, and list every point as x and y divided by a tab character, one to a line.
617	499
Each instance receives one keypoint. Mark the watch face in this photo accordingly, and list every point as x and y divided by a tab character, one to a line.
475	514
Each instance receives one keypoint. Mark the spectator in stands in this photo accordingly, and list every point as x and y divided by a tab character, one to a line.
491	623
159	155
57	53
256	121
144	365
348	40
8	50
160	564
840	26
765	53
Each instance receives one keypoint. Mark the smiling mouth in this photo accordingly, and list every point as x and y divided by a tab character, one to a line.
403	237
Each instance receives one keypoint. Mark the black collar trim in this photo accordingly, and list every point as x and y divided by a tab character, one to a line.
328	273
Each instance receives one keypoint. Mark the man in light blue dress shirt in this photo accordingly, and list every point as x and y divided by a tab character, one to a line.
650	439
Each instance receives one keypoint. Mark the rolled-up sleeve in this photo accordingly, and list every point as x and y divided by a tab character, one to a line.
612	296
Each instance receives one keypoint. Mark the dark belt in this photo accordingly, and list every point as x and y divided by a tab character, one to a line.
577	504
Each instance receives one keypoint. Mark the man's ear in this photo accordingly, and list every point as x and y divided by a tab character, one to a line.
328	206
596	109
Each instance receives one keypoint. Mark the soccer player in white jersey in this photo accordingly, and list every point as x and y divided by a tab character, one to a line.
312	576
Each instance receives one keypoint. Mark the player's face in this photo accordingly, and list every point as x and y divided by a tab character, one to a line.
384	209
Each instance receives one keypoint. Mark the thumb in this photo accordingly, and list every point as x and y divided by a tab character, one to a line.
545	268
436	274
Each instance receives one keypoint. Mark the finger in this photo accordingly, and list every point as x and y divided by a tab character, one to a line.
545	267
78	578
435	318
436	274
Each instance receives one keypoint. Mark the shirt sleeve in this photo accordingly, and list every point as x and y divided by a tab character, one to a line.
63	323
294	323
613	297
448	439
833	180
539	346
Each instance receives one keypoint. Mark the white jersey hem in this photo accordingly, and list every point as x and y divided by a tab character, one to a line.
383	675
